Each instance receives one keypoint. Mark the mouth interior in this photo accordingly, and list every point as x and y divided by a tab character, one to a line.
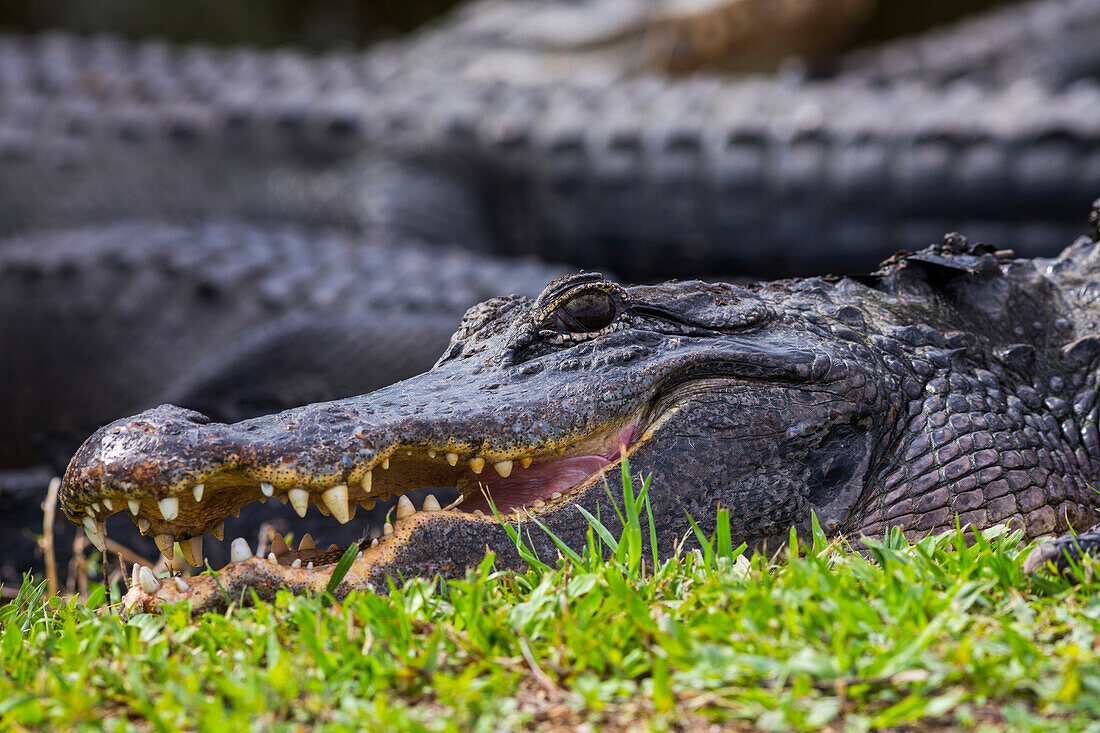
516	486
525	488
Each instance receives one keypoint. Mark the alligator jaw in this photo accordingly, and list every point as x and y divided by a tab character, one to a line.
521	482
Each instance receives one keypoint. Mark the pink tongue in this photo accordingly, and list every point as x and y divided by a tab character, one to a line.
525	485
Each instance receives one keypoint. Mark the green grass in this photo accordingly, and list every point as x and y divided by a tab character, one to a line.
945	632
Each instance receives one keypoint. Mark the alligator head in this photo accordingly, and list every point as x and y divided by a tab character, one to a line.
726	398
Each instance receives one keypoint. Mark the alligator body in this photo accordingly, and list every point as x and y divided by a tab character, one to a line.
499	137
452	138
699	177
954	384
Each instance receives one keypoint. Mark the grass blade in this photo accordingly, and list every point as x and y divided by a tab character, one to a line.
342	568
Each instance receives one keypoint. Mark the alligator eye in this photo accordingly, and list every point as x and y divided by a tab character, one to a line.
587	312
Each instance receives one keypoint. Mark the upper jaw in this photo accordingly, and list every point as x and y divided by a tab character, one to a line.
470	415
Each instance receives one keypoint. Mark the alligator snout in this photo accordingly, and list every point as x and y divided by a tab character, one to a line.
140	455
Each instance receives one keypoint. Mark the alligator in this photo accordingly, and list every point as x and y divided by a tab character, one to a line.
448	138
955	384
430	144
696	177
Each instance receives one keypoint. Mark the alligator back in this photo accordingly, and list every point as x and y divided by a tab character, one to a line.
994	367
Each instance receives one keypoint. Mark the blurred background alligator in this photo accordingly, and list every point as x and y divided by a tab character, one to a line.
242	231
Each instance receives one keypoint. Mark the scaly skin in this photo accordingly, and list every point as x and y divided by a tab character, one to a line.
954	383
429	141
264	315
692	180
649	177
233	318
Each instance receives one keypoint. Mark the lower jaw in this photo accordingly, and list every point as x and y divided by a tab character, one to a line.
470	523
308	568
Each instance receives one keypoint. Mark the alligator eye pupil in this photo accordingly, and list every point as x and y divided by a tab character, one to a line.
589	312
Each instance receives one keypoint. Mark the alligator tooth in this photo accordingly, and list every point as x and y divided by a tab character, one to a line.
92	530
169	508
387	528
95	505
323	509
164	544
359	555
237	513
336	499
476	464
278	544
368	479
263	499
538	503
181	584
109	504
267	489
408	452
219	532
297	563
192	551
386	462
306	543
452	458
197	490
431	504
374	542
134	580
504	468
239	551
367	504
299	499
525	462
431	453
479	512
134	505
309	565
149	582
405	507
556	495
143	525
272	559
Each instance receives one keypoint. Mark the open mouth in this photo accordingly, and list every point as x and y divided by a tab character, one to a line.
516	483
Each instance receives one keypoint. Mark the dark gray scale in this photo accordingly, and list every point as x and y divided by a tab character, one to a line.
229	318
